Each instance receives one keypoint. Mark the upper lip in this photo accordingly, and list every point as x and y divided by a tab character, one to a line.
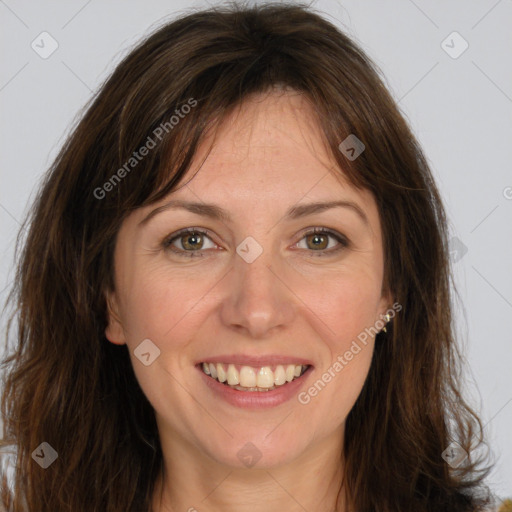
256	361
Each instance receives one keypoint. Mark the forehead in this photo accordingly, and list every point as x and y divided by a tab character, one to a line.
260	162
271	146
266	125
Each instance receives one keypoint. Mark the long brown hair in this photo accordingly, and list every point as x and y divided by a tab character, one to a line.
68	386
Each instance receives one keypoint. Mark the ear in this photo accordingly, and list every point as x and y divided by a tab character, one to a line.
385	304
114	331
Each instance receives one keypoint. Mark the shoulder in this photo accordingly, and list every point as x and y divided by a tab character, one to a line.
8	460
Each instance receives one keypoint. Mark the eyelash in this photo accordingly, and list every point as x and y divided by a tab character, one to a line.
167	243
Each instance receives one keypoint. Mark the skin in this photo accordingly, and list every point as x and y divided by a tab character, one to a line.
290	301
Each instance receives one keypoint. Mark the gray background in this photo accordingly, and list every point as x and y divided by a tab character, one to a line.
460	109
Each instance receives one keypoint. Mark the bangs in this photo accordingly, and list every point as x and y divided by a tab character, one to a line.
179	147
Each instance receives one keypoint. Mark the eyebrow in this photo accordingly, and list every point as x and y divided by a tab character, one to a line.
216	212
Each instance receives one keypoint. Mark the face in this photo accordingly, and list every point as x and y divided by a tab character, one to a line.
254	288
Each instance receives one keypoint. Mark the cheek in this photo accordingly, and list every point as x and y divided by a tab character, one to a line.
348	303
158	304
349	348
161	307
346	382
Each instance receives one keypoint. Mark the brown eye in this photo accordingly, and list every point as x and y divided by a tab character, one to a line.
189	242
318	241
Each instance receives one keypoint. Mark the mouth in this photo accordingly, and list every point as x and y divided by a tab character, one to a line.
252	378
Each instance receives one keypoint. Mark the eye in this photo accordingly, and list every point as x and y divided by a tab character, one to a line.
191	241
318	240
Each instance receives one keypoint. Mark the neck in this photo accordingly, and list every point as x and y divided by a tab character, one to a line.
190	482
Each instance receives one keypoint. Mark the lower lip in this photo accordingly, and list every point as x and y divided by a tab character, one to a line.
256	399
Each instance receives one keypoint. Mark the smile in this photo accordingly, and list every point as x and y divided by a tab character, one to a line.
250	378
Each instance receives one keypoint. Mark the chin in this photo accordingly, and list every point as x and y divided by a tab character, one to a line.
257	450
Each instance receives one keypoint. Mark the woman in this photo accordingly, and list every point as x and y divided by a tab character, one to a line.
235	293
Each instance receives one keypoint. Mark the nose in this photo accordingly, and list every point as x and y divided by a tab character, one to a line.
258	302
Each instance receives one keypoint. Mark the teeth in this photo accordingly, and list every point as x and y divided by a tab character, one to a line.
221	374
290	372
279	375
265	377
240	388
233	376
253	379
248	377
